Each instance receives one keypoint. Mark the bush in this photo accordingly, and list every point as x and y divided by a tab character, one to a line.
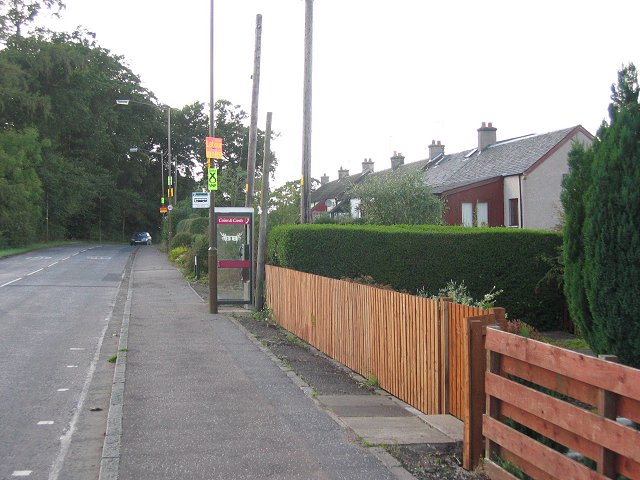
182	239
197	225
200	248
413	257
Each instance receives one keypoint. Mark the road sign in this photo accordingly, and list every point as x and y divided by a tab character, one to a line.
169	207
200	200
163	210
212	178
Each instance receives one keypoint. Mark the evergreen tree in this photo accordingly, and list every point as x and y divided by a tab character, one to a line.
602	229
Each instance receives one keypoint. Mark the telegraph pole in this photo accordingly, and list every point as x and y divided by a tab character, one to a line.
213	231
253	129
264	210
305	181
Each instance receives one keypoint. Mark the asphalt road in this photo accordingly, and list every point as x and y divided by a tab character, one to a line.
59	314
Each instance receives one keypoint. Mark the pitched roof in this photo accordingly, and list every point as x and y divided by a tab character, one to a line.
446	172
501	159
337	188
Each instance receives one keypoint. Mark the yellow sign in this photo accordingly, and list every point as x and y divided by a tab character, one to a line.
213	147
212	177
164	209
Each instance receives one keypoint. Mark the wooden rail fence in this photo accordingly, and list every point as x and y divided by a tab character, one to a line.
590	394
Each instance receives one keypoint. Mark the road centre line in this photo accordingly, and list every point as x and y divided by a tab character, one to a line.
21	473
62	390
12	281
54	263
76	349
36	271
45	422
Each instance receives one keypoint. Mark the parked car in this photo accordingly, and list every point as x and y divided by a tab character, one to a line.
140	238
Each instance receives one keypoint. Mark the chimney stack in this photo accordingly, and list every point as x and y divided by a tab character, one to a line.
342	173
397	160
324	179
435	149
486	136
367	166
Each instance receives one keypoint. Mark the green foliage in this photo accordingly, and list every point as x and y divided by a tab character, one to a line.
182	239
398	199
459	294
413	257
602	229
20	187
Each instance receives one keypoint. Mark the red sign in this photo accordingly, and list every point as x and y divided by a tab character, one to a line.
233	221
234	263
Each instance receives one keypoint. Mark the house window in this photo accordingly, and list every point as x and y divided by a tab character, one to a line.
467	214
482	214
514	212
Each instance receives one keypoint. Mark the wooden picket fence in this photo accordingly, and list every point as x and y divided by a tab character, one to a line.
601	391
415	347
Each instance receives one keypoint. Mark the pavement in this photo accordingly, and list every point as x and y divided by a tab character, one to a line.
196	396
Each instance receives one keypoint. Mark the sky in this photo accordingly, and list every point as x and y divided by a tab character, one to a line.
387	75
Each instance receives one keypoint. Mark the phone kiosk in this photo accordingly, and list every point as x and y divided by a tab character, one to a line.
235	254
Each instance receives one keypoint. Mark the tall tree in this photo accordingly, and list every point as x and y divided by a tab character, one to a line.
15	14
20	187
398	198
602	237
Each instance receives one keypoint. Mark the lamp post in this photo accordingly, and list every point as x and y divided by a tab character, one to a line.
126	101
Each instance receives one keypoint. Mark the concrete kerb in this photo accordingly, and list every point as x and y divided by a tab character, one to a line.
110	462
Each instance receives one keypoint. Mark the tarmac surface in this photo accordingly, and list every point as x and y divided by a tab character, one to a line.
195	396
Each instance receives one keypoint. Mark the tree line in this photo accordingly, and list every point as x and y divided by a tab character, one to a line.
73	163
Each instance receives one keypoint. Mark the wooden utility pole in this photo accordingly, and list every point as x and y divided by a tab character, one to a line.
305	181
253	128
264	210
212	257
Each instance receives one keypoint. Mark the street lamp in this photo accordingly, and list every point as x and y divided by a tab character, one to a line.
126	101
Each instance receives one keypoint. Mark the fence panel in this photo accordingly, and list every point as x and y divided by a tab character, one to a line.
396	338
569	398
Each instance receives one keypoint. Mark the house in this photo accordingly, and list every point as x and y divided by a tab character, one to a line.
514	183
333	198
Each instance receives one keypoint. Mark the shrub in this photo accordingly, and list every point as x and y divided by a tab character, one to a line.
182	239
428	257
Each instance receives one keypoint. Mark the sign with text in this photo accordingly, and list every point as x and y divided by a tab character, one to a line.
212	177
200	200
234	221
213	148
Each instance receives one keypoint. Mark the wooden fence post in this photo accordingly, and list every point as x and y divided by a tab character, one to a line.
607	408
444	354
476	364
499	315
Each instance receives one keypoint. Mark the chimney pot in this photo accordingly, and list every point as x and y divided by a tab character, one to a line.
486	136
396	160
435	149
342	173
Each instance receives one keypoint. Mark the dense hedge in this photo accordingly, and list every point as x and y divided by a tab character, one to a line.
414	257
198	225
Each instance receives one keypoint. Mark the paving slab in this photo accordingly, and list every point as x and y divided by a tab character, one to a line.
451	426
391	430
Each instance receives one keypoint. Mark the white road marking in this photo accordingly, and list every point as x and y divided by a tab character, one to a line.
76	349
51	264
63	390
45	422
22	473
65	440
12	281
39	270
77	253
72	366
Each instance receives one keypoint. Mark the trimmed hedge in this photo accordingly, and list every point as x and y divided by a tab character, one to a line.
182	239
414	257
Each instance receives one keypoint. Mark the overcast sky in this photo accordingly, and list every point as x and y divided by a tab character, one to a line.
387	75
